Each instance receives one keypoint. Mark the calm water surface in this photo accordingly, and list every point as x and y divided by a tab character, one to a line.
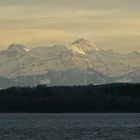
70	126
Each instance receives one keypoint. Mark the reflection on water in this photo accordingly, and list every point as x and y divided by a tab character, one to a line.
70	126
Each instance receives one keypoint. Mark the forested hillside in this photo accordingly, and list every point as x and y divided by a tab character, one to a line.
100	98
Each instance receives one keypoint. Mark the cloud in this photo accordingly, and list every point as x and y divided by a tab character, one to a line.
35	21
76	3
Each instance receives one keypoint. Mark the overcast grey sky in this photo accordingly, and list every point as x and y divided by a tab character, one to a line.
113	24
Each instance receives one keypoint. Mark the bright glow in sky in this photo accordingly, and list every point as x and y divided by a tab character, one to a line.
110	24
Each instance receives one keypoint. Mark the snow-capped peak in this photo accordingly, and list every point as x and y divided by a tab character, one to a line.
83	42
17	48
75	49
83	46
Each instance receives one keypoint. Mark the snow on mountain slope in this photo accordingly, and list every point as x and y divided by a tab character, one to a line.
113	63
67	78
5	83
85	45
133	77
40	60
81	55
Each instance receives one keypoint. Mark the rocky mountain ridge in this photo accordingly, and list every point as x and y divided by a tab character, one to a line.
80	59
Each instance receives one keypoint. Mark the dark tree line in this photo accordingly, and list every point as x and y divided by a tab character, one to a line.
99	98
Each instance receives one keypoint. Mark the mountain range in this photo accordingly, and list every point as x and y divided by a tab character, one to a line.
78	63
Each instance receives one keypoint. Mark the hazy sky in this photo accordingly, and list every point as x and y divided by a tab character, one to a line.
111	24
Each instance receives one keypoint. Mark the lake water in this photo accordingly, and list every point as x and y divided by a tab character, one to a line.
70	126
